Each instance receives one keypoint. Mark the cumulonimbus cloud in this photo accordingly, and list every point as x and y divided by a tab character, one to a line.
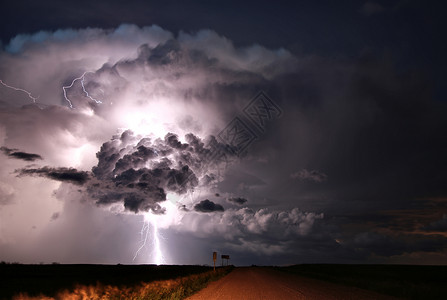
166	96
138	171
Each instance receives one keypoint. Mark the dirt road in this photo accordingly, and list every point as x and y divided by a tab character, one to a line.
264	283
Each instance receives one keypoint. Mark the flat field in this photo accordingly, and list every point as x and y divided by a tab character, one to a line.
96	281
402	281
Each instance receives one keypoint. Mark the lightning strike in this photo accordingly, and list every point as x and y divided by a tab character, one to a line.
158	259
20	90
144	234
150	221
82	79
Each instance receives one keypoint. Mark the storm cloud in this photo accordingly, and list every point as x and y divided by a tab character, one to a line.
17	154
357	135
70	175
141	170
138	171
208	206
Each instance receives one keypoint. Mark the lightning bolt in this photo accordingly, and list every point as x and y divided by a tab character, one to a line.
20	90
144	233
150	221
82	79
158	259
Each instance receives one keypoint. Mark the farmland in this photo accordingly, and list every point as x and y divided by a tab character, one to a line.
104	281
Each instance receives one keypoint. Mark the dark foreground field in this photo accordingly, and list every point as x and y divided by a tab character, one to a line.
48	280
402	281
178	282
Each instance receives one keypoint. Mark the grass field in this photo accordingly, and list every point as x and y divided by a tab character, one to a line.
403	281
104	281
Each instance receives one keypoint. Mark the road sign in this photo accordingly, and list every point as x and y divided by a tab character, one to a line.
224	256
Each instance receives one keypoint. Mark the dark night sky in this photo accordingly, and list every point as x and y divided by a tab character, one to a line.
353	170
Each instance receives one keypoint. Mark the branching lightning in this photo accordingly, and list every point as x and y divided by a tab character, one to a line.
82	79
20	90
150	221
144	233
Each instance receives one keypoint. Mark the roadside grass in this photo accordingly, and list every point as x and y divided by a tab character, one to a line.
402	281
175	287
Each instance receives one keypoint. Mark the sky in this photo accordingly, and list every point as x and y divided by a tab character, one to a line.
145	132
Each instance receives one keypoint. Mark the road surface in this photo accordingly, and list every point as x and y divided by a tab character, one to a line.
265	283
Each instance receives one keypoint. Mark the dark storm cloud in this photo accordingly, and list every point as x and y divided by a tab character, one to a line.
168	158
142	169
139	162
261	232
15	153
313	175
70	175
208	206
137	171
136	204
237	200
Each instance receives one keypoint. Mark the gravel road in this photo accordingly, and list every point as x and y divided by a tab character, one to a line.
265	283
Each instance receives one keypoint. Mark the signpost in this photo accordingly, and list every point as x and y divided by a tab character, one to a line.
214	260
227	257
